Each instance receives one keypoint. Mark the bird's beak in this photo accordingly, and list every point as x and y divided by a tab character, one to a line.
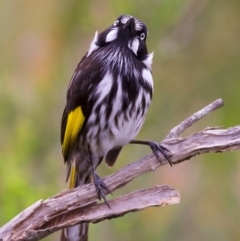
131	25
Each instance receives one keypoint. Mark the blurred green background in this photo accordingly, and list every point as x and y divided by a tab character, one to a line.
197	60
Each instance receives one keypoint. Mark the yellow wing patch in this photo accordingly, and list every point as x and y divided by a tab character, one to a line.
74	124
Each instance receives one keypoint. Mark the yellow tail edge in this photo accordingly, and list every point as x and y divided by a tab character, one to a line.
73	175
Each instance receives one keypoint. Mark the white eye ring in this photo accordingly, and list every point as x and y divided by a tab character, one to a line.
116	23
142	36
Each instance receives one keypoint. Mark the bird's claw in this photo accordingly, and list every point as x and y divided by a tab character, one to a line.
100	185
156	147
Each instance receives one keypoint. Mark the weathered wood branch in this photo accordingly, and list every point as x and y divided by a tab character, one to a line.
79	205
69	208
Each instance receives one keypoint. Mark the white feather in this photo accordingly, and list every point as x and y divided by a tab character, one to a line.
148	61
117	102
112	35
127	129
139	98
93	45
136	73
125	19
134	45
104	87
147	76
102	115
138	25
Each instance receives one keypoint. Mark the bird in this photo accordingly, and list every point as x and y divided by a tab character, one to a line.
107	101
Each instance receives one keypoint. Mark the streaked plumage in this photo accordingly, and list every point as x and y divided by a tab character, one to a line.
107	101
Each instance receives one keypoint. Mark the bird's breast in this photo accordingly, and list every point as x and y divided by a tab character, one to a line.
120	107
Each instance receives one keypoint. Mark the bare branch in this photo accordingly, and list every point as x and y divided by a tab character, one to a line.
177	130
67	209
136	201
79	205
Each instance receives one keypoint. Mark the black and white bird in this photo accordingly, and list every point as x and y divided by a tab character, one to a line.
107	101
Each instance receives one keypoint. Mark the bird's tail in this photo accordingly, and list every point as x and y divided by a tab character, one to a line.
78	232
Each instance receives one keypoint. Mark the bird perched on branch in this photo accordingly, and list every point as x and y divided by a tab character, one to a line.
107	101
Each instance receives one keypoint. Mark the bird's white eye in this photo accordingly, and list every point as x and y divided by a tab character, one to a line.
116	23
142	36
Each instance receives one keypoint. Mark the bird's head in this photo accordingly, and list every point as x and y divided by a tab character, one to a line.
126	31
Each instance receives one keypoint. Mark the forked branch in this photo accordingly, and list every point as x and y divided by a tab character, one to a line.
80	204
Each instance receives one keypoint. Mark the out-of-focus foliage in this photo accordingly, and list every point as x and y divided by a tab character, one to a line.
197	59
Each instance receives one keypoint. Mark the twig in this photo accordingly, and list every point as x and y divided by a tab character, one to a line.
68	207
175	132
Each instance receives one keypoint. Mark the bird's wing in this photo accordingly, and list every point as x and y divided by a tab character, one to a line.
78	107
72	122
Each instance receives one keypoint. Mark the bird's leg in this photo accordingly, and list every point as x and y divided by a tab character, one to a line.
99	184
156	147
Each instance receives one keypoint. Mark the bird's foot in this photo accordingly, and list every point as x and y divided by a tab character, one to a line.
156	147
100	186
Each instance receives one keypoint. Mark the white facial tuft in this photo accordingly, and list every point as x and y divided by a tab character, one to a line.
125	19
138	25
148	61
133	45
93	45
112	35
